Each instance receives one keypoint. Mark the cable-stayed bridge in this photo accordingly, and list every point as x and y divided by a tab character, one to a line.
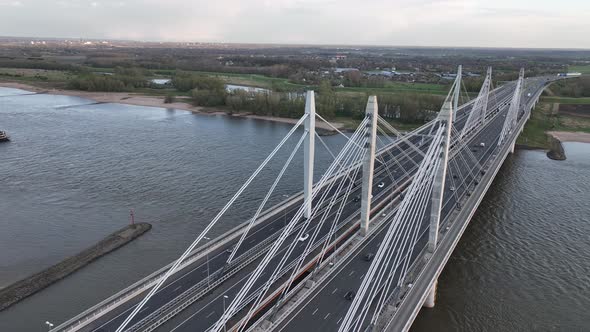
358	250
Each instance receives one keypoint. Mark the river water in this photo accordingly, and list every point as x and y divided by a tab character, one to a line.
71	174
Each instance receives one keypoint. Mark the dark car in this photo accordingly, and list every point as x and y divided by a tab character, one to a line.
369	257
356	198
350	295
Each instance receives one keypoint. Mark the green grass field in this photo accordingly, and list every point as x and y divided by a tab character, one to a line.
544	119
585	69
283	84
566	100
34	75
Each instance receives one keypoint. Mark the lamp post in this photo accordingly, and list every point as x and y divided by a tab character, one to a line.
207	258
285	211
48	323
224	298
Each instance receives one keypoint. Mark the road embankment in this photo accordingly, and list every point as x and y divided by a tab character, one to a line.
38	281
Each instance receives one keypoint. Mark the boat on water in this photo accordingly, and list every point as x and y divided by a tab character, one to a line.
4	136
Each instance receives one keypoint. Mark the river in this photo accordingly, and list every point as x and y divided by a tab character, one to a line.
74	169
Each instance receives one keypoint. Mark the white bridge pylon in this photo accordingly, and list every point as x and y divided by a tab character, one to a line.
329	196
393	258
478	112
512	115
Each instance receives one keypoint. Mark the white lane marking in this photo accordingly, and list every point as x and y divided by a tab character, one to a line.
351	273
316	310
195	268
177	288
145	308
334	291
326	316
362	276
338	322
211	314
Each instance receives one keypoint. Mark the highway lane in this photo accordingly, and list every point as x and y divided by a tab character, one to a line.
329	301
503	90
197	271
195	320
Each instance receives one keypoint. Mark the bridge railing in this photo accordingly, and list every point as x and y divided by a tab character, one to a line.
137	288
404	314
123	296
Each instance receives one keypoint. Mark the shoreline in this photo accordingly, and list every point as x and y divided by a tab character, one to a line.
130	98
557	138
570	136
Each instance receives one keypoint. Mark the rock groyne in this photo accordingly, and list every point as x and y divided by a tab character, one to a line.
38	281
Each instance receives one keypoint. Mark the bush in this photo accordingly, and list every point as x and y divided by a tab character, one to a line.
169	99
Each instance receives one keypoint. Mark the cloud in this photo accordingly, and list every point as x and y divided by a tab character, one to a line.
524	23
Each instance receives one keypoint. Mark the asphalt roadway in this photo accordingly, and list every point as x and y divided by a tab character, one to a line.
198	318
184	279
326	308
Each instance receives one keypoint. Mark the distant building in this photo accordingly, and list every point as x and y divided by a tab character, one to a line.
569	74
385	73
343	70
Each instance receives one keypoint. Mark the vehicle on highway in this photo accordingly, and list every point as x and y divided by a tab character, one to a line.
356	198
482	144
230	249
349	295
304	237
369	257
381	185
452	189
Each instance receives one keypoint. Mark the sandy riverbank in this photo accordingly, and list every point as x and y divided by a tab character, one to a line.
565	136
153	101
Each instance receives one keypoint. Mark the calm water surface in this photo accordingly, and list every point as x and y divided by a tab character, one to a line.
523	264
71	174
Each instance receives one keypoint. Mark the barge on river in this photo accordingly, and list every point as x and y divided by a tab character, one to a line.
4	136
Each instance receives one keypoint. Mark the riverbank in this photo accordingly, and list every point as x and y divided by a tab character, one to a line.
557	152
155	101
32	284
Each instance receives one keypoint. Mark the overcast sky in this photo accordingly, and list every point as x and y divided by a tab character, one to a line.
489	23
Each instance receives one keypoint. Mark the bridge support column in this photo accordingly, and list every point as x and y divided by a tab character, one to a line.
512	147
368	164
446	118
431	298
309	152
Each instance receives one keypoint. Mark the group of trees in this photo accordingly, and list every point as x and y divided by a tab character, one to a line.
205	90
577	87
123	79
405	107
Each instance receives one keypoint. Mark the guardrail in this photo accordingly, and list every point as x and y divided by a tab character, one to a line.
195	293
137	288
411	304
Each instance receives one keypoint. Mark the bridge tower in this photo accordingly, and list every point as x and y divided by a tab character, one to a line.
513	112
368	164
309	152
445	118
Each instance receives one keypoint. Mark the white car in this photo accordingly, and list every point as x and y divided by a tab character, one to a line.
482	144
304	237
381	185
452	188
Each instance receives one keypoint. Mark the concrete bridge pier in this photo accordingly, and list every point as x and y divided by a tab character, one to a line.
512	147
431	298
